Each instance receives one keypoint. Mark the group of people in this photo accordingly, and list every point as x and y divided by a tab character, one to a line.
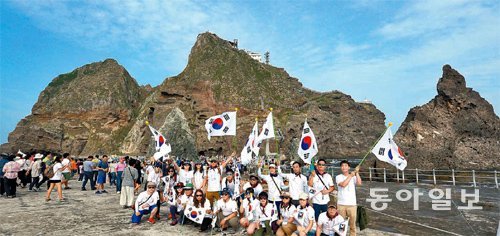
274	203
34	170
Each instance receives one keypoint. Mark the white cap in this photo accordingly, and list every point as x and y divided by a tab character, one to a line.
304	196
272	166
38	156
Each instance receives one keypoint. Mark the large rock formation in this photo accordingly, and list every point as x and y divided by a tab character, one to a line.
218	78
457	129
88	110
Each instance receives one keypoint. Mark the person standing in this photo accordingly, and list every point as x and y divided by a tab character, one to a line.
10	170
346	203
321	183
297	182
3	160
88	168
213	179
102	168
199	176
55	181
129	178
120	167
35	171
95	171
24	164
274	182
66	173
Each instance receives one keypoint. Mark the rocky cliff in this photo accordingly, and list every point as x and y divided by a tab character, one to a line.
88	110
457	129
217	78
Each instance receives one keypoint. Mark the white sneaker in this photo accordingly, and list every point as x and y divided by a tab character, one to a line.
118	192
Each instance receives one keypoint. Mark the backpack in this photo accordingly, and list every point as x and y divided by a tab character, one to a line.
49	171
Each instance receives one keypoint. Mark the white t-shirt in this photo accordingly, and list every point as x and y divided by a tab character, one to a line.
230	185
65	162
227	207
286	213
185	176
265	213
185	199
250	207
206	206
141	199
318	186
274	192
154	177
346	195
297	184
198	179
57	171
327	224
303	216
256	190
214	179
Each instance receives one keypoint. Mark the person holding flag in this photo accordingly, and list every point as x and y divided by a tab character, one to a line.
213	178
346	202
200	203
274	181
321	185
298	182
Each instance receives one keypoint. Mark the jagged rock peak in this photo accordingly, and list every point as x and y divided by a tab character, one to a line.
452	83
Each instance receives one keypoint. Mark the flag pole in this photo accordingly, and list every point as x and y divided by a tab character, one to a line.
235	139
275	139
366	155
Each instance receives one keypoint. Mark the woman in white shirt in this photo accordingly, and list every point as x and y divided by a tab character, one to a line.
247	208
304	217
185	173
199	177
199	201
264	215
55	181
285	223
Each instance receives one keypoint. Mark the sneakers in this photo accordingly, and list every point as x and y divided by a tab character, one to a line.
173	223
84	189
151	220
118	192
67	187
98	192
104	191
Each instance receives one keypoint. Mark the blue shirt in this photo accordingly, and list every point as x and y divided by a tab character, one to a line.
88	166
3	161
103	165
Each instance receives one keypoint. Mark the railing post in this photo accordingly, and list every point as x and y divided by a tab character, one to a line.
397	175
453	176
416	174
434	175
474	177
385	181
496	180
370	169
403	172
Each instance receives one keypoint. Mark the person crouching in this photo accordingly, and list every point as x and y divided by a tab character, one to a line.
146	204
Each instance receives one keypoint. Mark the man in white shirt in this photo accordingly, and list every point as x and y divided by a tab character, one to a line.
327	221
66	172
274	183
320	185
226	210
146	204
297	182
346	203
213	178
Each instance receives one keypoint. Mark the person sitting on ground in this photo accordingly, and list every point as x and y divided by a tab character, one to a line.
264	215
304	217
146	204
247	208
176	202
199	201
185	199
285	222
226	210
327	221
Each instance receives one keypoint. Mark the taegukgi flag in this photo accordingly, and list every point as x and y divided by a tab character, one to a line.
267	131
221	125
251	148
195	214
162	148
308	147
341	228
386	150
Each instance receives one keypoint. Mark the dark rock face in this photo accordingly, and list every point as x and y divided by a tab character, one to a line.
88	110
457	129
109	111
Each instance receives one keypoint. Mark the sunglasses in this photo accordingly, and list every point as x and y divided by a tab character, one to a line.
170	171
225	194
151	187
262	198
285	197
199	195
321	164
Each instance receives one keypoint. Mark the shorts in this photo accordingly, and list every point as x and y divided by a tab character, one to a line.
101	178
67	175
54	181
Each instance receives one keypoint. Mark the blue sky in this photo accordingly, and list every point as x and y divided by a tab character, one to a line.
390	52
